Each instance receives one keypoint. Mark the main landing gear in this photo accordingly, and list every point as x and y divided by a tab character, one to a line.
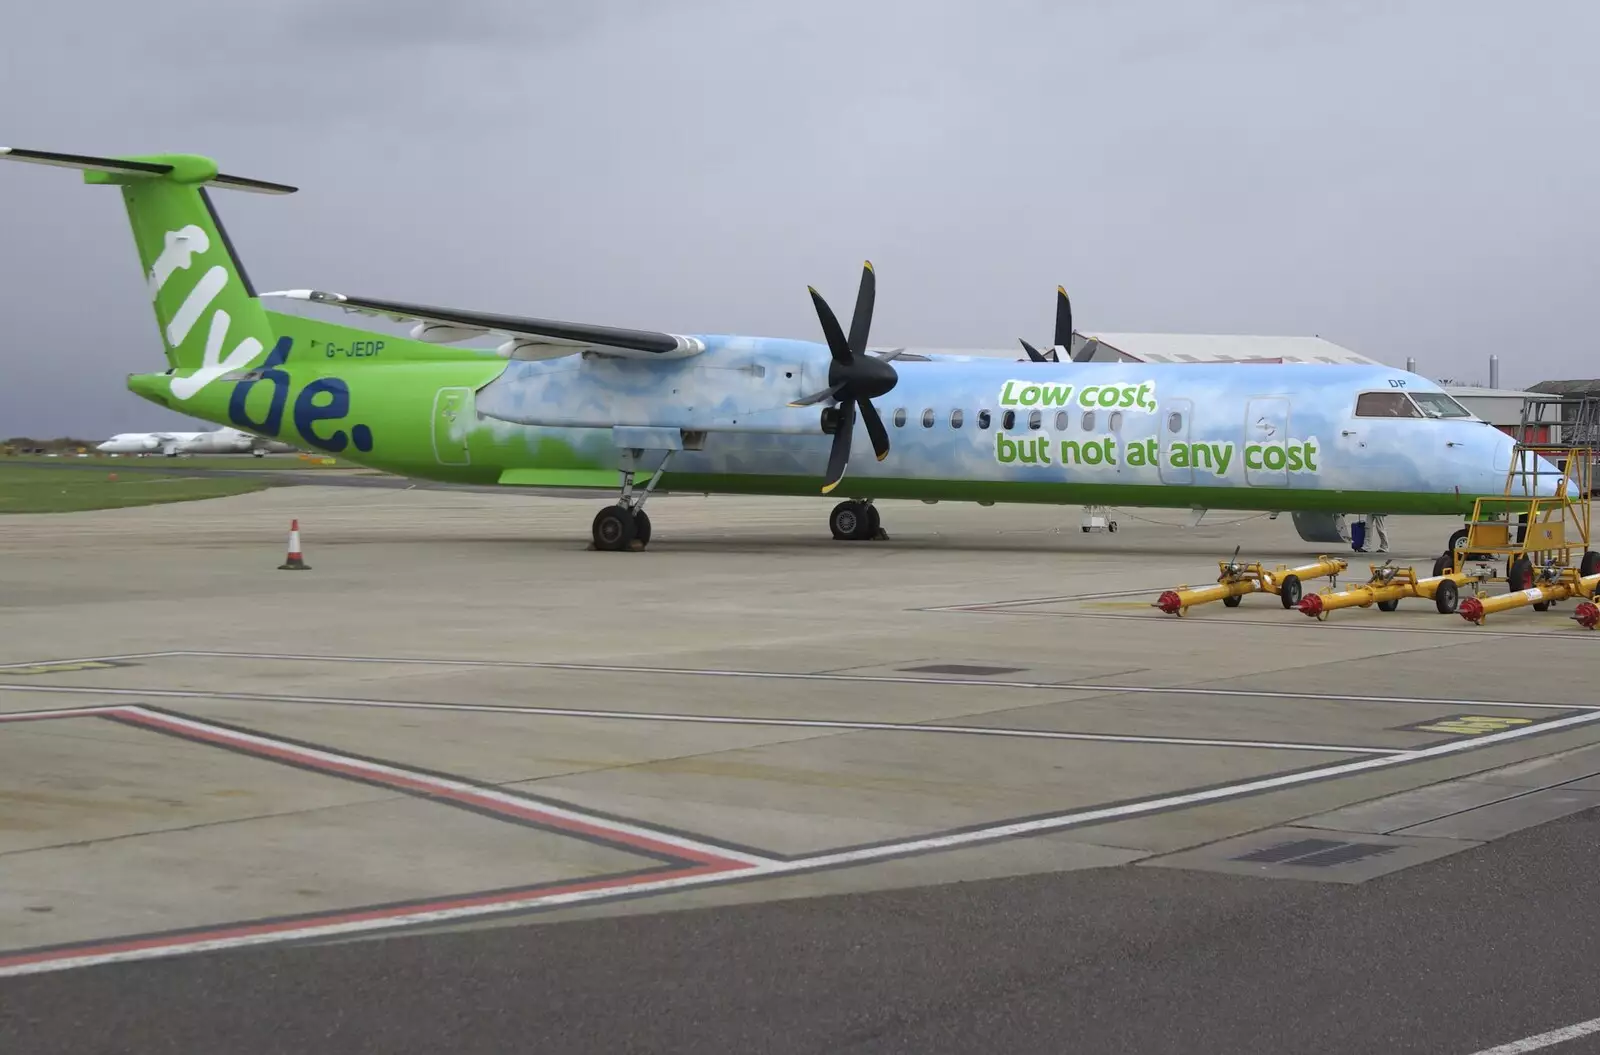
856	521
626	526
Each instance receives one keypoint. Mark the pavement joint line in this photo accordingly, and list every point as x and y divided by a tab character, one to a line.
695	719
1048	686
241	935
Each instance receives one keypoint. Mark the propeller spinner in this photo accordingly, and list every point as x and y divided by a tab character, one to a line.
854	378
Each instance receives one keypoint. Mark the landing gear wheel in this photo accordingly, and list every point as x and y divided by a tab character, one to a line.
1388	606
874	522
641	527
1232	602
851	521
1447	598
1590	564
614	529
1289	591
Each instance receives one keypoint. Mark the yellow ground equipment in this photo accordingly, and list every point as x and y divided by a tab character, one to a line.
1235	580
1389	586
1553	583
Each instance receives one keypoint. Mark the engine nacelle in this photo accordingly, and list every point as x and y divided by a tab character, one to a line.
444	333
1318	527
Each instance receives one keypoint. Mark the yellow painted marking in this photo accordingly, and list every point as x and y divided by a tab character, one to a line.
57	668
1474	724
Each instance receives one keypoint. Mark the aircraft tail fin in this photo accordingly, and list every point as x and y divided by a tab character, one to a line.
211	322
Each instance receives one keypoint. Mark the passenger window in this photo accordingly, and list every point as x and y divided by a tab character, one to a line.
1009	420
1088	421
1385	405
899	417
1175	421
983	419
955	419
1115	421
927	418
1061	421
1035	419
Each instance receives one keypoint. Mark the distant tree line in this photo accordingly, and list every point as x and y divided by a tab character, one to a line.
34	445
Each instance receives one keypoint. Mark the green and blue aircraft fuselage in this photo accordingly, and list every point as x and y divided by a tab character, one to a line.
574	405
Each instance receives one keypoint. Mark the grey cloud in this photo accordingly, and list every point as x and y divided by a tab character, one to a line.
1405	179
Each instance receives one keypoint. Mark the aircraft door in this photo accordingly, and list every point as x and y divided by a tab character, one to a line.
452	410
1266	445
1174	419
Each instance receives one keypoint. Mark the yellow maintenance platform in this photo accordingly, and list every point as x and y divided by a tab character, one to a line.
1542	538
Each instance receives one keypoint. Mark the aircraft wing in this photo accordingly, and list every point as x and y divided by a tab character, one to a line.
526	338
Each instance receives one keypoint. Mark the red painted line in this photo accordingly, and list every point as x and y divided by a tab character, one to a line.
178	942
379	774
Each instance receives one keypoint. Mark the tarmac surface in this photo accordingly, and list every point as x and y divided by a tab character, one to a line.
467	785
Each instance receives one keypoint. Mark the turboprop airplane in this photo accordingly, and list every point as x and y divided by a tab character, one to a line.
561	404
217	441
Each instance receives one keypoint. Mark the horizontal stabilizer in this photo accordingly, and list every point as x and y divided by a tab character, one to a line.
527	338
180	168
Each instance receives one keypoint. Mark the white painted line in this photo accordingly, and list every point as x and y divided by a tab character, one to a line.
714	719
806	864
1545	1040
60	712
1546	632
86	659
885	679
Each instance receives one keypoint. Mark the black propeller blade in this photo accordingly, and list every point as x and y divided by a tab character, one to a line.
854	378
1063	336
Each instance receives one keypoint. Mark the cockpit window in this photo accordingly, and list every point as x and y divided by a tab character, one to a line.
1385	405
1439	405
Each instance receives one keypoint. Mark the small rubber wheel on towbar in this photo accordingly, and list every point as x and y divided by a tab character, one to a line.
1590	564
1444	565
1289	591
1519	575
1447	598
1389	606
1232	602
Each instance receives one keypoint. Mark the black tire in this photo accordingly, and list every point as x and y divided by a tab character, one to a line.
1444	565
1111	526
1590	564
613	529
1447	598
1458	544
1519	575
1290	591
874	522
641	527
845	521
1388	606
1232	602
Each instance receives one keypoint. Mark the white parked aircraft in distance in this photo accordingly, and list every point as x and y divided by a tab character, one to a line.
172	444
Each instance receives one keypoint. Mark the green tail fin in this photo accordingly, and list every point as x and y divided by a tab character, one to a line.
211	322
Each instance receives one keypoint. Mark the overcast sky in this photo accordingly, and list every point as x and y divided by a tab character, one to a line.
1402	178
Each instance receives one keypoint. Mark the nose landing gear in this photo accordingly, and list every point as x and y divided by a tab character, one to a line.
856	521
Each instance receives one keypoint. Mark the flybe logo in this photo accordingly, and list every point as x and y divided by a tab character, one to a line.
179	248
325	399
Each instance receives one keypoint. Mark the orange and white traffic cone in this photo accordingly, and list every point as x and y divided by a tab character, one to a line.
294	562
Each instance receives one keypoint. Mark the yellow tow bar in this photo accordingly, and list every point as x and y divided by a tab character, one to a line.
1475	609
1388	587
1235	580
